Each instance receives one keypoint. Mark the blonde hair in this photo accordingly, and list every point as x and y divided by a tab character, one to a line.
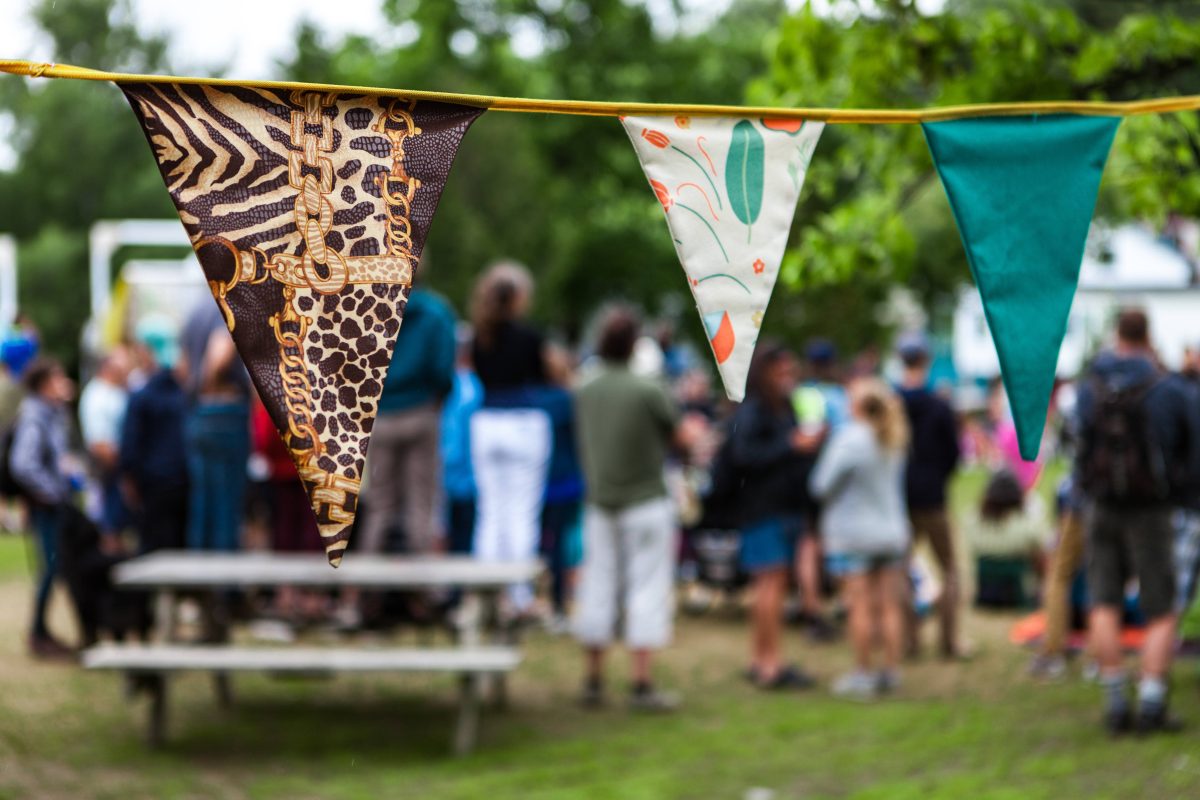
875	402
500	295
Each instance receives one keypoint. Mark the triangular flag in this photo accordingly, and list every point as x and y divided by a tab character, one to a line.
728	186
1023	190
308	211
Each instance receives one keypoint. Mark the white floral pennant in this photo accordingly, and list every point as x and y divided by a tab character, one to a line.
729	187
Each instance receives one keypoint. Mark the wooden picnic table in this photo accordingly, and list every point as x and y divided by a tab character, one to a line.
482	648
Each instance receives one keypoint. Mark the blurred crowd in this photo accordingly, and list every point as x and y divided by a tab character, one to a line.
822	499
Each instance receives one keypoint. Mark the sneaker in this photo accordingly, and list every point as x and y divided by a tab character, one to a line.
1049	668
592	695
347	617
857	685
786	679
557	624
820	629
48	648
1118	722
1156	719
274	631
649	700
887	681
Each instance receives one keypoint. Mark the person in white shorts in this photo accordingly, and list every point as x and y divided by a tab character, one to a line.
626	424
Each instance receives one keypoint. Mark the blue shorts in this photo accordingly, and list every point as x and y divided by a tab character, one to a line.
769	543
843	565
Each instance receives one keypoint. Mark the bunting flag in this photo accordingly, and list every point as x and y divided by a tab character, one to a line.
308	211
1023	190
728	187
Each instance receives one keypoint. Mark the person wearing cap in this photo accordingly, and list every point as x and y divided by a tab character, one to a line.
153	453
933	457
822	407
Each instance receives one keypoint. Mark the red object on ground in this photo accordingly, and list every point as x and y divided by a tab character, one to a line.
1028	631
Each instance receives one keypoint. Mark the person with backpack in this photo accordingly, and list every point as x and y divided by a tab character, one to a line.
1139	441
769	457
39	463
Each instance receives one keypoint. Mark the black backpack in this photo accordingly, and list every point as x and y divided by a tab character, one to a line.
1120	461
10	487
720	498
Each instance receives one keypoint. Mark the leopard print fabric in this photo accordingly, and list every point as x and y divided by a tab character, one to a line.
308	212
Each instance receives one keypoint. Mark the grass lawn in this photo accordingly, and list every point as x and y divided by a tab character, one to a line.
976	730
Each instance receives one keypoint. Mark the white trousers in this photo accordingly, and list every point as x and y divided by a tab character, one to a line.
629	562
510	453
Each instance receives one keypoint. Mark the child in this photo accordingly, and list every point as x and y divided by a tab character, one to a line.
1008	541
860	479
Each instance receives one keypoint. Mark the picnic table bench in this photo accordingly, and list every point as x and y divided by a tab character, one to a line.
481	651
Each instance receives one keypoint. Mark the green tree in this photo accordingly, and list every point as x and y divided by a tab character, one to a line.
562	194
873	213
81	157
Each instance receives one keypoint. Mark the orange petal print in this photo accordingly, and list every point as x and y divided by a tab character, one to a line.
722	342
662	193
759	266
655	138
789	126
683	121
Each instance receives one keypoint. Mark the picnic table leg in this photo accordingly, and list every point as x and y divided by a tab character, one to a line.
217	631
470	620
502	636
164	616
156	732
467	729
223	688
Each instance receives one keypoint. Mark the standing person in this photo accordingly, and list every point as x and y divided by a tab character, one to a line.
404	468
39	463
16	349
1050	662
932	460
293	523
153	452
102	406
859	479
626	423
1187	518
1139	440
218	430
510	433
771	458
562	502
458	477
821	404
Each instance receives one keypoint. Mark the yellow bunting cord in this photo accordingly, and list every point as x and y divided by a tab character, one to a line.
605	109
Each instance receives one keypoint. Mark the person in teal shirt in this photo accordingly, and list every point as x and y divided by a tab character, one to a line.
404	463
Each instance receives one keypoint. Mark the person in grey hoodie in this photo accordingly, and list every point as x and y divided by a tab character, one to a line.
37	461
859	478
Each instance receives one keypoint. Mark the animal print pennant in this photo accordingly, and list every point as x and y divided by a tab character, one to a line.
729	187
308	211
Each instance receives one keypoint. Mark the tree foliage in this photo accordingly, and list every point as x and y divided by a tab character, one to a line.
565	194
873	211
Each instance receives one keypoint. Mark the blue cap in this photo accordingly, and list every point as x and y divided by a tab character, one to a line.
17	351
157	334
912	344
821	351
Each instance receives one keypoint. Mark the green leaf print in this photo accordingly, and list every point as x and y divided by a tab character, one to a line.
744	172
